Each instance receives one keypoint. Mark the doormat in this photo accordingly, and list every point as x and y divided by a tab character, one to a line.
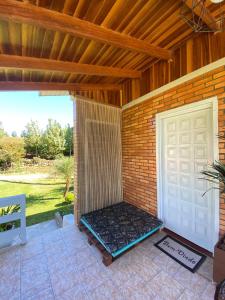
184	255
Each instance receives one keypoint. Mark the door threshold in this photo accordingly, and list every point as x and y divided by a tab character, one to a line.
187	242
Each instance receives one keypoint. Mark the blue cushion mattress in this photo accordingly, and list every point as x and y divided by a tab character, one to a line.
120	226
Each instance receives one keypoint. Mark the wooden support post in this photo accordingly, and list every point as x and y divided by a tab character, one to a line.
90	242
81	227
107	259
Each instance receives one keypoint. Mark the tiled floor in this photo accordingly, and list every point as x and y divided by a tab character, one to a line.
61	265
48	226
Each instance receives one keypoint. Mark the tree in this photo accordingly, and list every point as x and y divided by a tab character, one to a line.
14	134
32	138
68	141
11	151
2	131
5	160
53	140
65	168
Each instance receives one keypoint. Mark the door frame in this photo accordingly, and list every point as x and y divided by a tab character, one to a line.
207	103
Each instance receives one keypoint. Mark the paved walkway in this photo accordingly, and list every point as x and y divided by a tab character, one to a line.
61	265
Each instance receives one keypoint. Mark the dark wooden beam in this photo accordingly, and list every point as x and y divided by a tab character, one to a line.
32	63
54	86
207	18
30	14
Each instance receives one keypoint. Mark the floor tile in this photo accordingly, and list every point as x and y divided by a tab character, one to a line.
62	265
56	256
188	295
133	280
38	262
96	253
92	278
157	236
15	295
73	294
120	276
130	293
10	254
149	250
206	269
34	281
48	226
209	292
85	258
10	287
32	248
147	271
191	281
165	286
42	294
52	236
8	270
167	264
144	291
33	231
56	247
66	280
72	233
104	291
74	246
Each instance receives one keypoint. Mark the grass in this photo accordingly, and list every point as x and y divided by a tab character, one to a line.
17	169
44	197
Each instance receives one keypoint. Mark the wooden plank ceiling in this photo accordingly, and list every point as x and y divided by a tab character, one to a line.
86	43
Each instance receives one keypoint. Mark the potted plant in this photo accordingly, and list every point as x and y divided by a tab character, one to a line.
217	175
7	232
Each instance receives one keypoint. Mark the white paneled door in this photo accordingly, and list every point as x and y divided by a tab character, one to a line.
186	147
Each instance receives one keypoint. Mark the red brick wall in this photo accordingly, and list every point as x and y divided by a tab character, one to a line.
139	136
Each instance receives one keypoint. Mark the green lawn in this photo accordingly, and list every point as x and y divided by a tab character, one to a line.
44	197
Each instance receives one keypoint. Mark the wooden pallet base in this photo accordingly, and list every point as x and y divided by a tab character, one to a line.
107	259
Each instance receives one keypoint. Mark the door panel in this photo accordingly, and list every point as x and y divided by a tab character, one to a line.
186	148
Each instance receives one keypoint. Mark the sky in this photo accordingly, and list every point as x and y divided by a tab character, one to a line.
18	108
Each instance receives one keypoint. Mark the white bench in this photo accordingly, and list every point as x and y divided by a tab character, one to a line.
8	236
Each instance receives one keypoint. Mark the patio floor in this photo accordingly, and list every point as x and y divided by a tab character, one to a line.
61	265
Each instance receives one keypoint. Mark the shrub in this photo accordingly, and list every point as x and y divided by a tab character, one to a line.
41	162
5	160
7	211
11	151
69	197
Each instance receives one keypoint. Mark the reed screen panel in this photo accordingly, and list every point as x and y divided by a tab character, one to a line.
99	155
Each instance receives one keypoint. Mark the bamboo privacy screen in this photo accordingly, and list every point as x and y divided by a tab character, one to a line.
97	154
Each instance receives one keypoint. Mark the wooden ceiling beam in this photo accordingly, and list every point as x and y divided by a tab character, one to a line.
55	86
30	14
33	63
207	18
